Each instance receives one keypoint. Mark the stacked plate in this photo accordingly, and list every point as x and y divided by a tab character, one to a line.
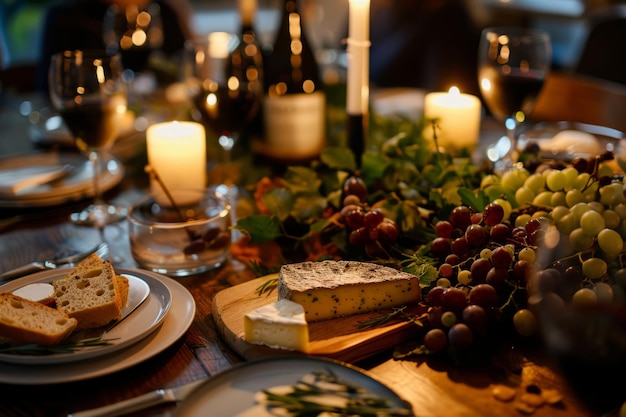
159	311
48	179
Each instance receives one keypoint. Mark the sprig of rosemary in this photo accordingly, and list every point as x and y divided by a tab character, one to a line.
300	402
383	319
267	287
70	346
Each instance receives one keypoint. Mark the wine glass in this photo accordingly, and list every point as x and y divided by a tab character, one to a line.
227	90
512	66
86	88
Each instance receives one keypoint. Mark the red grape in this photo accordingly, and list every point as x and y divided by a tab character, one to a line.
461	217
443	228
355	186
493	214
501	257
476	319
460	336
372	218
453	299
435	340
483	295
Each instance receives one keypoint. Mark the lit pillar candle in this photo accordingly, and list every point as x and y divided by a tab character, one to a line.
177	153
358	57
357	93
458	117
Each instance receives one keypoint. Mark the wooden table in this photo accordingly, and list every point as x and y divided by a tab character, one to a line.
434	387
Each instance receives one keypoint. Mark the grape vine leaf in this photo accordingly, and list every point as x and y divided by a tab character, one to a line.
260	228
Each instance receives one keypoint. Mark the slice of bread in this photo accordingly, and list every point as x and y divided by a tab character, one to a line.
90	294
24	321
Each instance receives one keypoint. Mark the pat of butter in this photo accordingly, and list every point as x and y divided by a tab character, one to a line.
38	292
280	325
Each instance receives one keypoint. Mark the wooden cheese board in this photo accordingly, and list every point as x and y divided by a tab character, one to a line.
341	338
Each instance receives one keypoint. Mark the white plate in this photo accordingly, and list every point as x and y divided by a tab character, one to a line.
76	186
143	321
175	324
232	391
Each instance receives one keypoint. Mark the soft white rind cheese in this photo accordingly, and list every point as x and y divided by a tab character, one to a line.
332	289
280	325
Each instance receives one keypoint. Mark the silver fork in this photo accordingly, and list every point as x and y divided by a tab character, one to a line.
101	250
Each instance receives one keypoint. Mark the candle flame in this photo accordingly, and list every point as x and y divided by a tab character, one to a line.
454	90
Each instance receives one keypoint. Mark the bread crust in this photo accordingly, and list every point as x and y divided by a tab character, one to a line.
24	321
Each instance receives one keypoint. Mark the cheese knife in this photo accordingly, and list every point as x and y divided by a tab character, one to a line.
150	399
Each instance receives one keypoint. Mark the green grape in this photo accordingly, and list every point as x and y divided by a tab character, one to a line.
584	297
535	182
567	223
558	199
485	253
611	219
578	210
514	178
558	212
488	180
594	268
464	277
620	209
582	181
610	242
570	174
524	195
522	220
605	170
555	180
444	283
596	206
448	318
525	322
592	223
544	198
579	240
527	254
573	197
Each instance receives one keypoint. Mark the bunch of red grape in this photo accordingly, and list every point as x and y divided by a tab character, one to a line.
484	266
367	227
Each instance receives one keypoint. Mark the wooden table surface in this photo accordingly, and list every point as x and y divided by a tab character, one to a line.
434	387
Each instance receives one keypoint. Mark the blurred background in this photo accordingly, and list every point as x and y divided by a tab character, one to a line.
414	42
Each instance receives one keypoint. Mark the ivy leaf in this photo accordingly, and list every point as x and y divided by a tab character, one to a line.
260	228
301	180
339	158
476	201
278	201
308	206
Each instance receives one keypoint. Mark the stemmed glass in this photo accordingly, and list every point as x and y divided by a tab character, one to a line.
86	88
513	64
227	90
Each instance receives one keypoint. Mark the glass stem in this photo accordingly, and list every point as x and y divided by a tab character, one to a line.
94	158
227	142
511	130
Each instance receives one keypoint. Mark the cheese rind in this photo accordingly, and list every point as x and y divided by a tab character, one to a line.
280	325
332	289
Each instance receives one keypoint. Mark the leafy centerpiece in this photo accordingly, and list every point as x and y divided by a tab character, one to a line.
471	235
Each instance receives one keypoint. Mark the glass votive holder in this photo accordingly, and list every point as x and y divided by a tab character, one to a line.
187	238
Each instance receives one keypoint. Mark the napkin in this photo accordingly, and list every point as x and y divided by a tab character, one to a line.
16	180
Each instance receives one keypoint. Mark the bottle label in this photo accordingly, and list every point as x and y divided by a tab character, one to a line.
295	125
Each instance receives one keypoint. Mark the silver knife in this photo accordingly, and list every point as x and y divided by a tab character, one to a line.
150	399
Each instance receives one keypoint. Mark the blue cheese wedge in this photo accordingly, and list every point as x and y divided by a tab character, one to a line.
332	289
280	325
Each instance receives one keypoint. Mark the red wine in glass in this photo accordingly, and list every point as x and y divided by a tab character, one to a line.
227	94
511	93
87	89
512	66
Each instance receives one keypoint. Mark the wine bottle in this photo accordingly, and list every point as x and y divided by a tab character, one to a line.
294	105
251	58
